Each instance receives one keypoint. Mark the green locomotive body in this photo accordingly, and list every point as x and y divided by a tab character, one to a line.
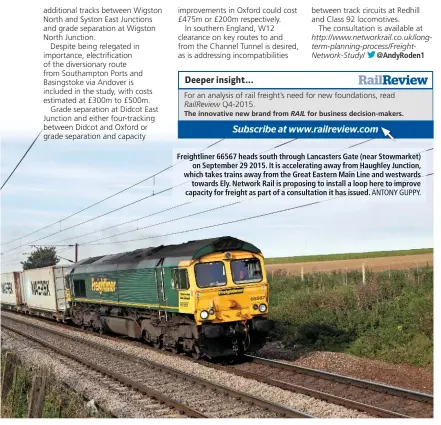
159	295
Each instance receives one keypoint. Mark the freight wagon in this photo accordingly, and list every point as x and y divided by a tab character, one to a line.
11	294
43	292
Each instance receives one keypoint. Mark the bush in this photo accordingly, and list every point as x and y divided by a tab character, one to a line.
390	318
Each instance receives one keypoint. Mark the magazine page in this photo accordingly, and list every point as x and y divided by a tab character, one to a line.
218	209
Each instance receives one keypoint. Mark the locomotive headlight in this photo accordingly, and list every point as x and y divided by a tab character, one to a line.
204	314
262	308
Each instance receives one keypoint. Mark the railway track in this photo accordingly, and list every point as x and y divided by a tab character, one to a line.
376	399
108	394
187	394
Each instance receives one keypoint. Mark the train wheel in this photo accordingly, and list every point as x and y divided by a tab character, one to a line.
196	353
158	343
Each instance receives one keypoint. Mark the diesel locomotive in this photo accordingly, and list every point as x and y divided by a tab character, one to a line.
206	298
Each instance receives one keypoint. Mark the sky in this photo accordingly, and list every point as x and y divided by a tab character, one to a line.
57	179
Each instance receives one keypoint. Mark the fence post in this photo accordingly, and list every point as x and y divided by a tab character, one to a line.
418	273
363	272
301	273
36	401
60	406
8	375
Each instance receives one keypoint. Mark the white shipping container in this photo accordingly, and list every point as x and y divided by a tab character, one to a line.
9	289
45	288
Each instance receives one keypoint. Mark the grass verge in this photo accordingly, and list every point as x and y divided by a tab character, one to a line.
390	318
59	402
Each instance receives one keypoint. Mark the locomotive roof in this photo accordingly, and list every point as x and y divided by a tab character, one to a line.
171	255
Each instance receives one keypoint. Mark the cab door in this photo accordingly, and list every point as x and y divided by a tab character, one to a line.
168	296
160	289
171	293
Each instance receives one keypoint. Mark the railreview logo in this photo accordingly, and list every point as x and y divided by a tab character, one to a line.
389	80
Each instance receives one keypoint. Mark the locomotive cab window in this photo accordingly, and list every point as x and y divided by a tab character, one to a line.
79	288
180	279
210	274
246	271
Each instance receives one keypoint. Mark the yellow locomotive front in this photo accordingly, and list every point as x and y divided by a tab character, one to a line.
228	297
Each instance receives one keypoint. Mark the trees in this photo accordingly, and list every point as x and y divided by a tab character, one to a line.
41	257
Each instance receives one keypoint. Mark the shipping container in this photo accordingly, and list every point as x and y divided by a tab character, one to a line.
45	289
11	293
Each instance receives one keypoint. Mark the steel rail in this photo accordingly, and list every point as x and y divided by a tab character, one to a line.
273	407
331	398
387	389
118	377
320	395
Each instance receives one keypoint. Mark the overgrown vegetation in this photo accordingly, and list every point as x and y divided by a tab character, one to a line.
59	402
348	256
389	318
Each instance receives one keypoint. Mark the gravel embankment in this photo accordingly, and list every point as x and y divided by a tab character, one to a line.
295	401
398	375
119	401
399	404
179	389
